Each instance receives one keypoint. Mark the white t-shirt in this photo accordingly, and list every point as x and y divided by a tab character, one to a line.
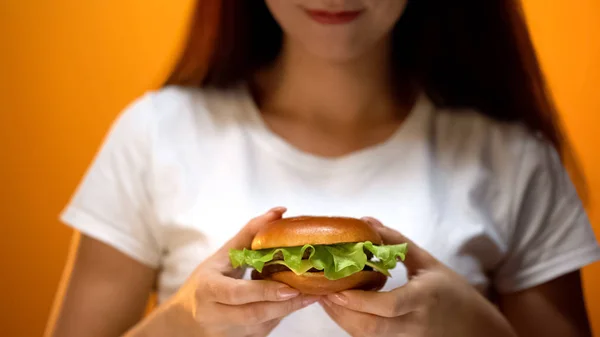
182	170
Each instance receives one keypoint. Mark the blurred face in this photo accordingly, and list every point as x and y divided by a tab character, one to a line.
336	29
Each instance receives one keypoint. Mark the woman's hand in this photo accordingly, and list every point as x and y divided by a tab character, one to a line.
214	301
434	302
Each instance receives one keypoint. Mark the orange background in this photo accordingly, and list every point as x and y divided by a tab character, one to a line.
67	67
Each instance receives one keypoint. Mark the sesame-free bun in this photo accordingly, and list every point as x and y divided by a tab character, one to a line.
317	284
314	230
319	230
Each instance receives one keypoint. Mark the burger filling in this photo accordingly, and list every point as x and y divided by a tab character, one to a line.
335	261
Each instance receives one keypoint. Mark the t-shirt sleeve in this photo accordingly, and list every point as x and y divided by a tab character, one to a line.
112	202
551	234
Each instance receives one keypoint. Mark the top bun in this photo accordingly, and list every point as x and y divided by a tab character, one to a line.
314	230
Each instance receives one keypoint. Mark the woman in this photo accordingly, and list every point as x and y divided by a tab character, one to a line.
430	116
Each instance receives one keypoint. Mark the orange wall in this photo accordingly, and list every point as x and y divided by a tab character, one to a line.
567	35
67	67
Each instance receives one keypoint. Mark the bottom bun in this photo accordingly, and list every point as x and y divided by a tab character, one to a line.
317	284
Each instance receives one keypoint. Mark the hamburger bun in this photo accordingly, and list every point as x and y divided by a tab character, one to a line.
314	230
319	230
317	284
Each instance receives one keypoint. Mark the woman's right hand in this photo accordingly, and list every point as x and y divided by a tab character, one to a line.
215	301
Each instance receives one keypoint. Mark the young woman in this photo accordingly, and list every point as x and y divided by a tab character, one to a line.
430	116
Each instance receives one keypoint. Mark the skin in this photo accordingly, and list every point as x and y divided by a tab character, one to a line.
105	283
438	302
100	282
214	301
350	107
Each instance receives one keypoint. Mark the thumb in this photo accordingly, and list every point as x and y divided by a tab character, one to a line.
416	257
243	239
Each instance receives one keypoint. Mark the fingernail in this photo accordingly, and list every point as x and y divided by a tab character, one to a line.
287	293
278	209
338	299
308	300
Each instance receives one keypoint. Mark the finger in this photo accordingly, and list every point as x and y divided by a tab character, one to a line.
397	302
261	312
232	291
389	235
358	323
226	290
416	257
244	237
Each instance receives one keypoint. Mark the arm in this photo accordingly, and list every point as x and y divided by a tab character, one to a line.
555	308
105	294
550	240
107	281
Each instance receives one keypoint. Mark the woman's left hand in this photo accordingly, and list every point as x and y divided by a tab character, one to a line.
435	302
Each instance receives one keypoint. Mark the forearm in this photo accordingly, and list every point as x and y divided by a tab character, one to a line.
488	320
166	320
492	323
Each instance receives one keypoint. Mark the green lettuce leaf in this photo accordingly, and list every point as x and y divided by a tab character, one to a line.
336	261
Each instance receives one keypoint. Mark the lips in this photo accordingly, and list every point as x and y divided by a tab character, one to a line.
333	18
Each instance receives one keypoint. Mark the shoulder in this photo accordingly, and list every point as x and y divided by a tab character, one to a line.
495	164
178	102
502	147
176	110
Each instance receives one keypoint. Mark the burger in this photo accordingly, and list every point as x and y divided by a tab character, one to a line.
320	255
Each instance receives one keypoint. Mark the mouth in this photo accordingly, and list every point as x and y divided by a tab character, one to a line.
333	18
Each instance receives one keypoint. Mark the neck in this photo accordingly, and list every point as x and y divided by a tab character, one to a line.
301	85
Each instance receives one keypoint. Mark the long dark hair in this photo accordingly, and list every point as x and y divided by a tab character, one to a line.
468	54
